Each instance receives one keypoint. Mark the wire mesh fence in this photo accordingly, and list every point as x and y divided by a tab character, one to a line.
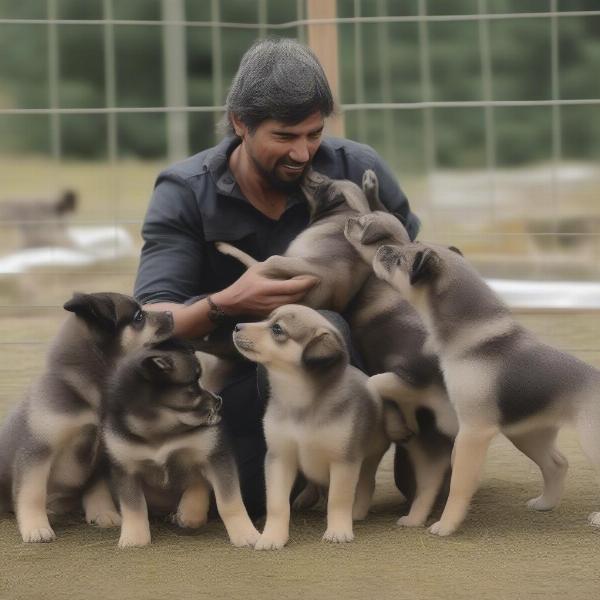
487	110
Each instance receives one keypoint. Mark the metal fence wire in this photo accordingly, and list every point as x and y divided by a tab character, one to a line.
530	220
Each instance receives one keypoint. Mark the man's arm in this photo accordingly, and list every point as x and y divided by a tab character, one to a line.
171	267
250	295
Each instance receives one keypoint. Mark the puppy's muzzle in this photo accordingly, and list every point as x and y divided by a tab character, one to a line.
241	342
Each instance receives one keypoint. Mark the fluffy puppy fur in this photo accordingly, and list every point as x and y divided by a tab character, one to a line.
322	418
163	434
49	444
499	377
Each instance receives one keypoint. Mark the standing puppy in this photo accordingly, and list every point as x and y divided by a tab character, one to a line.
163	435
49	445
322	418
499	377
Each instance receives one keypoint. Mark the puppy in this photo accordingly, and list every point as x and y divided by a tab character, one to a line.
162	433
321	249
322	418
391	338
49	443
499	377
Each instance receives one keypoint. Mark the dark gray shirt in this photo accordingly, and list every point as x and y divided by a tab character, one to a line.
197	202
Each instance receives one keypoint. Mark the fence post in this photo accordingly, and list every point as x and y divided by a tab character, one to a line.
323	39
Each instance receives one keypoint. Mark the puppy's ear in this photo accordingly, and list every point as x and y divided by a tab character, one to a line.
425	266
95	309
372	233
324	350
157	367
455	250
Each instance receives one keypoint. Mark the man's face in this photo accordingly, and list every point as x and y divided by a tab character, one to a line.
282	153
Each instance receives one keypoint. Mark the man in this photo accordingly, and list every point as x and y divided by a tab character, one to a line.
245	191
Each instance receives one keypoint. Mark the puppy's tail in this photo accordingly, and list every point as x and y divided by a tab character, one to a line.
229	250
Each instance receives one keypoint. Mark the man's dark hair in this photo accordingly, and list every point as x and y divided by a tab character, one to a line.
281	79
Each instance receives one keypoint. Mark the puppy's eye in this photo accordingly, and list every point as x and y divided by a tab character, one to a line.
138	317
277	329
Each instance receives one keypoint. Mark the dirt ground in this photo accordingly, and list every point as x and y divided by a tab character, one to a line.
503	551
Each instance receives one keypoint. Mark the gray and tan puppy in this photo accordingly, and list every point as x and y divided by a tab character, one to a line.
49	445
163	434
391	338
321	250
499	377
322	418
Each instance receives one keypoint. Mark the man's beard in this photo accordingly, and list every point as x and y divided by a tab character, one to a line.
274	181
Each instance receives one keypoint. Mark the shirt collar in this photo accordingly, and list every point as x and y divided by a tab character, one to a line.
218	165
221	216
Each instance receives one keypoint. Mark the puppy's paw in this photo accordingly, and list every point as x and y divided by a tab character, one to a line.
594	519
248	536
270	542
338	536
408	521
540	503
188	520
134	539
39	534
442	529
370	183
105	519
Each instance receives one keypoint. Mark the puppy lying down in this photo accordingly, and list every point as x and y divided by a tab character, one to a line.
499	376
322	418
168	448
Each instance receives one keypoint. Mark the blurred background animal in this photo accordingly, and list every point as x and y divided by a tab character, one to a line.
41	222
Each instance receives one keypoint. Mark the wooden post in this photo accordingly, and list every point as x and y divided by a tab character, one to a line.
323	39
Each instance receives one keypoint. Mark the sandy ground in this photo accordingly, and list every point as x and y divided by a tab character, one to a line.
504	551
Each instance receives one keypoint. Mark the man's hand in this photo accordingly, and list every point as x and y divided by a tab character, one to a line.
256	295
